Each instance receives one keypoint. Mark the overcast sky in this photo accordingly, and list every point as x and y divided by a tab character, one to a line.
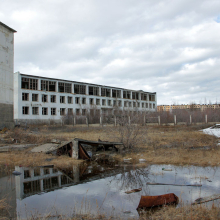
171	47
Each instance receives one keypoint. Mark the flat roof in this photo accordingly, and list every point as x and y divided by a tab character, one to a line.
4	25
84	83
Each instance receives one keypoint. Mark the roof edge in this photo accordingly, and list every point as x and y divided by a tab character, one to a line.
4	25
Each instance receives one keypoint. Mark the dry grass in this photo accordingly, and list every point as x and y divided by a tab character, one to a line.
174	145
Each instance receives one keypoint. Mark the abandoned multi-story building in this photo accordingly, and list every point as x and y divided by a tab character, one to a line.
38	99
6	75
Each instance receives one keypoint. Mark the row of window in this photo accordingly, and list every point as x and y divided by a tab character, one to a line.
46	85
78	100
50	111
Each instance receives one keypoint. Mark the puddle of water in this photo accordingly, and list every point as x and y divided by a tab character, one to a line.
101	189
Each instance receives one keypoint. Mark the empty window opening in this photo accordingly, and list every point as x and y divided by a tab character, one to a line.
126	94
70	111
125	104
150	105
144	96
153	105
106	92
25	96
97	101
44	98
35	111
142	105
64	87
25	110
70	100
27	174
119	103
37	172
77	111
109	102
130	104
62	111
134	104
77	100
103	102
80	89
114	102
83	101
44	111
146	105
83	111
116	93
151	97
62	99
138	104
46	171
93	90
29	83
53	98
53	111
135	95
91	101
48	85
34	97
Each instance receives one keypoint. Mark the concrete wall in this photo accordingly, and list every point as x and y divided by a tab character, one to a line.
6	75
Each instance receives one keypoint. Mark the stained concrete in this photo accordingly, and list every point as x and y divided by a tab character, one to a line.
6	116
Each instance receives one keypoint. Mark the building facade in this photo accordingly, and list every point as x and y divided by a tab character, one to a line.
37	99
6	75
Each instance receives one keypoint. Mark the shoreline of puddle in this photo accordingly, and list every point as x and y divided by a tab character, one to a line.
101	189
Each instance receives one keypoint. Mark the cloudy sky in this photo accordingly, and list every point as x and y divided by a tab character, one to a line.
171	47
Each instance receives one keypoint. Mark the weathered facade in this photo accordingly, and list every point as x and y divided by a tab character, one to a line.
40	99
6	75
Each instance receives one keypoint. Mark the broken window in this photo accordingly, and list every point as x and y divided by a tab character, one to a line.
62	111
103	102
46	171
151	97
77	100
126	94
70	111
44	98
34	97
142	105
116	93
25	96
144	96
70	100
27	174
153	105
25	110
35	111
138	104
48	85
44	111
146	105
106	92
93	90
53	98
80	89
134	104
135	95
91	101
37	172
62	99
125	104
109	102
97	101
114	102
83	111
64	87
150	105
29	83
77	111
53	111
119	103
130	104
83	101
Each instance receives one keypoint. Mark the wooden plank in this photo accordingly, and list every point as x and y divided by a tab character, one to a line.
198	185
206	199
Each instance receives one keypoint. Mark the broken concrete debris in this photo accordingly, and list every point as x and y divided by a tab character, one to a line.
78	148
154	201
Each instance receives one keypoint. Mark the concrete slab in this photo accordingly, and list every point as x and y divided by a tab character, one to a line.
45	148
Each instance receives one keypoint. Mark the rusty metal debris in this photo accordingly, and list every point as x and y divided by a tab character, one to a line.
133	191
154	201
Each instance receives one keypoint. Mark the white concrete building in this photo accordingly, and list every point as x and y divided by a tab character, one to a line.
37	99
6	75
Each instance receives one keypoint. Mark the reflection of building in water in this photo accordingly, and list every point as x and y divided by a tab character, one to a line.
39	179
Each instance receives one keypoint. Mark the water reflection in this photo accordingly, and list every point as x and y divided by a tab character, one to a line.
101	188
